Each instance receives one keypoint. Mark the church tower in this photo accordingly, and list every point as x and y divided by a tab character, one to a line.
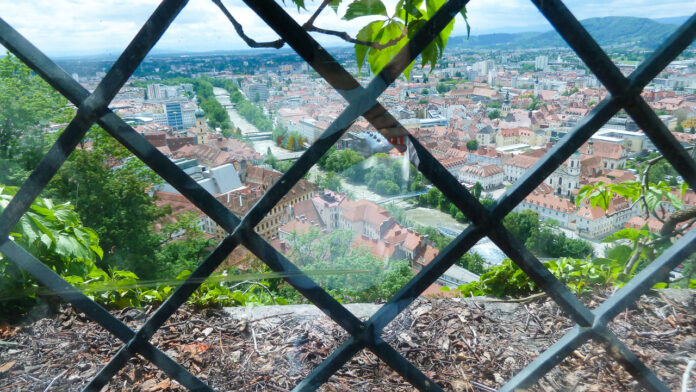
574	164
506	104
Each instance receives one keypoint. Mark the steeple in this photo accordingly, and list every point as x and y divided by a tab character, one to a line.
506	104
574	164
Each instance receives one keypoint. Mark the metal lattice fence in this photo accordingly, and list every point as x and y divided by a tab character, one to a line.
590	324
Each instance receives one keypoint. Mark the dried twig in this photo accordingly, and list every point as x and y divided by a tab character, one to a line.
481	386
54	379
651	333
222	347
687	375
253	335
518	300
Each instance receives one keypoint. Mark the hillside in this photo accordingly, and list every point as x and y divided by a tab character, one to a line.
613	30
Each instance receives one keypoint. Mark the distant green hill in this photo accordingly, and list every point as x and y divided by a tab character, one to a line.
612	30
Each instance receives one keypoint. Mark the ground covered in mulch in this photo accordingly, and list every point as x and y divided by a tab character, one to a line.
464	345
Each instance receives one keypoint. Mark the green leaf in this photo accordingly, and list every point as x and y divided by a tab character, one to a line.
584	192
97	250
27	229
443	37
627	234
368	34
378	59
408	7
334	5
68	247
630	189
432	6
674	199
653	198
684	187
360	8
40	223
466	20
300	4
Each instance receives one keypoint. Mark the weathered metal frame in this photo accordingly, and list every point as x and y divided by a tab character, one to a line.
93	108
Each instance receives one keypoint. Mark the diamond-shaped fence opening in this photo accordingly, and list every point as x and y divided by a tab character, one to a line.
362	101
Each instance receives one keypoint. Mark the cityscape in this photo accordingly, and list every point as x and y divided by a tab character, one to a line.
487	115
363	220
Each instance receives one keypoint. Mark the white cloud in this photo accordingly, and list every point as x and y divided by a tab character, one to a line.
64	27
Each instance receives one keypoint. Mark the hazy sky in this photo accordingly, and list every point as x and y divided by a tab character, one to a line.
69	27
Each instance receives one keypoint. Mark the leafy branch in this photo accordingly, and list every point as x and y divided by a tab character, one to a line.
652	199
378	41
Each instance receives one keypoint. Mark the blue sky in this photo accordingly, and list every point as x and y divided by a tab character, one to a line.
78	27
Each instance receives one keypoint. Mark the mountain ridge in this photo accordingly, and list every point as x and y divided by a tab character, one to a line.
607	31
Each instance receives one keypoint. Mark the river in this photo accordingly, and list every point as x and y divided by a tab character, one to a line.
247	128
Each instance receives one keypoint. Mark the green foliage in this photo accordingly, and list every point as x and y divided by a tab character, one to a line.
399	214
27	104
281	166
110	192
382	173
542	239
476	190
214	292
581	277
349	274
522	224
494	114
549	243
536	103
442	88
185	246
331	181
250	111
390	33
473	262
601	194
279	134
570	91
434	198
54	234
527	67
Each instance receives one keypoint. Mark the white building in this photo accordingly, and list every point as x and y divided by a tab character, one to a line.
489	176
549	206
541	63
598	223
566	177
515	167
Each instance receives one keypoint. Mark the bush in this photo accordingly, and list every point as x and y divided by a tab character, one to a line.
581	277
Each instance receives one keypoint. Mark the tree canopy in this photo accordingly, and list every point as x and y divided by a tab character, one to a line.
27	105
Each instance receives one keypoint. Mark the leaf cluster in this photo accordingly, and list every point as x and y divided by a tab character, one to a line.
391	31
350	274
581	277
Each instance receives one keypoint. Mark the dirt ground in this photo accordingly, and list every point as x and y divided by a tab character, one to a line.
463	345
